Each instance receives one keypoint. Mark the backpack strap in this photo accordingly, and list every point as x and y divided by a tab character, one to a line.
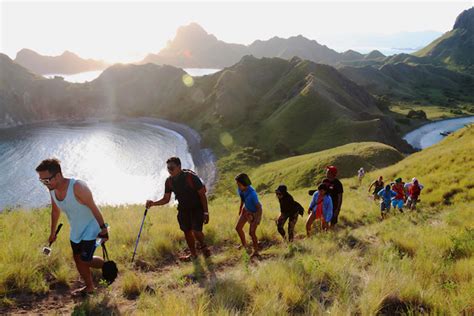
189	179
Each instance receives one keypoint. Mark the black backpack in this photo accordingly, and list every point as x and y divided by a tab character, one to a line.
109	269
299	208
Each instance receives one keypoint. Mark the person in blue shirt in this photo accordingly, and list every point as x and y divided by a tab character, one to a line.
387	195
321	207
250	211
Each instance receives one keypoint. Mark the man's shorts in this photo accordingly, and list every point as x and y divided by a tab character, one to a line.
85	249
397	203
384	207
191	220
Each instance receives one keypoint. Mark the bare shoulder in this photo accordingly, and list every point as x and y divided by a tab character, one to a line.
81	190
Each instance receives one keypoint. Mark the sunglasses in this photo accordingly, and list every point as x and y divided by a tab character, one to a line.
47	181
171	168
278	194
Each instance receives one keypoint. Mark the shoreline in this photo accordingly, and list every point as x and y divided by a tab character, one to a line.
415	136
203	158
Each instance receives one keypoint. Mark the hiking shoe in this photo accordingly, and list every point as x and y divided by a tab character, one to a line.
82	292
206	252
187	258
255	254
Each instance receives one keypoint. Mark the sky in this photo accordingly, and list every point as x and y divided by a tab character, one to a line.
125	31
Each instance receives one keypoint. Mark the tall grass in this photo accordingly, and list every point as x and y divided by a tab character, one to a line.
417	262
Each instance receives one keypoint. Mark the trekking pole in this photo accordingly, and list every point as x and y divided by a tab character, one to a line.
139	234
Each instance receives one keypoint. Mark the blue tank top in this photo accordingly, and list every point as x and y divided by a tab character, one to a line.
83	224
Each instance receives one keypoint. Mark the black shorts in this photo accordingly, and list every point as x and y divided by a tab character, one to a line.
85	248
191	220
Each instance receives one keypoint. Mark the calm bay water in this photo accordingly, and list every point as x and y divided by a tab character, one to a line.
429	134
122	162
91	75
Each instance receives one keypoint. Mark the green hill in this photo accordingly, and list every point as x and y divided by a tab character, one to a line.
309	170
287	107
66	63
454	48
407	81
439	74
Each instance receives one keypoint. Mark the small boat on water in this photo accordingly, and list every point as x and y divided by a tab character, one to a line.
445	133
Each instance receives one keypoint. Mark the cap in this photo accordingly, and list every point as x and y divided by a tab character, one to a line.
332	169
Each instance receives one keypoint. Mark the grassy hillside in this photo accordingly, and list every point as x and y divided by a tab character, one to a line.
309	170
303	170
417	262
407	81
454	48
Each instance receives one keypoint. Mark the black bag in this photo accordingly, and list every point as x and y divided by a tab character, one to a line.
299	208
109	269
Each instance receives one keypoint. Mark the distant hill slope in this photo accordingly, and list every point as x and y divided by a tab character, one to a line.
307	170
408	81
446	169
454	48
66	63
440	73
193	47
281	106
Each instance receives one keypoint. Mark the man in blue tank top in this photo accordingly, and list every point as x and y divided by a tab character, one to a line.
74	198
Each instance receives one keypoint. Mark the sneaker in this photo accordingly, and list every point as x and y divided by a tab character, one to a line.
187	258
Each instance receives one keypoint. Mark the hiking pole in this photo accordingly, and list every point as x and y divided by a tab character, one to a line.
47	250
139	234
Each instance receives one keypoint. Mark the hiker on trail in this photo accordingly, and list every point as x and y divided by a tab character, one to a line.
192	205
250	211
378	185
387	195
335	190
413	190
399	199
321	207
289	210
360	174
74	198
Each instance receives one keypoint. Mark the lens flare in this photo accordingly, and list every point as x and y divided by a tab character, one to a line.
188	80
226	139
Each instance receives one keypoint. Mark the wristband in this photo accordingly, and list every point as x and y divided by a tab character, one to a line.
206	213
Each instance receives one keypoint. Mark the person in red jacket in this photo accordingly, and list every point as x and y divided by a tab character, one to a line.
399	199
413	190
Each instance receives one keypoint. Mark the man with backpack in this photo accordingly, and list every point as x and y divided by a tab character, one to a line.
289	210
192	205
413	190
